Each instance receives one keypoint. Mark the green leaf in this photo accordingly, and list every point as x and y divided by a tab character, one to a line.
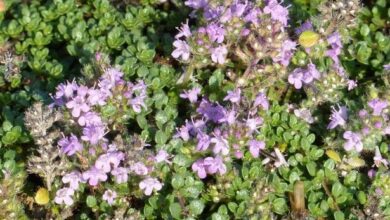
196	207
175	210
338	215
337	189
279	206
364	30
161	137
177	181
91	201
311	168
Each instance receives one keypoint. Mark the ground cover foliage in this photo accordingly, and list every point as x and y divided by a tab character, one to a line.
195	109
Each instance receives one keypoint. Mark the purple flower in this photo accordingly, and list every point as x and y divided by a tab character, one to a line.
221	145
233	96
90	119
73	178
121	174
66	90
230	117
196	4
184	31
255	147
295	78
253	16
162	156
254	123
218	54
149	184
112	77
64	196
215	32
304	114
200	168
93	134
238	9
182	50
311	73
215	165
338	117
211	112
78	103
335	42
191	94
204	142
109	196
94	175
378	159
286	52
96	97
139	168
183	132
278	12
262	100
281	161
351	84
353	141
377	106
137	103
386	67
70	145
307	25
108	160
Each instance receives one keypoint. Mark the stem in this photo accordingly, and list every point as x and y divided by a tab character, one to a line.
330	194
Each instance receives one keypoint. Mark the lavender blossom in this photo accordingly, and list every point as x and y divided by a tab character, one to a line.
94	176
386	67
335	42
162	156
304	114
74	179
64	196
295	78
139	168
311	73
230	117
204	142
79	103
93	134
262	100
255	147
215	32
70	145
90	119
218	54
109	196
200	168
277	11
286	53
254	123
66	90
378	159
221	145
196	4
233	96
120	174
353	141
149	184
110	160
184	31
215	165
377	106
307	25
210	111
191	95
182	50
338	117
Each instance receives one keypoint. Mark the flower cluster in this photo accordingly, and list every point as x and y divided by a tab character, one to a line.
99	159
238	31
222	134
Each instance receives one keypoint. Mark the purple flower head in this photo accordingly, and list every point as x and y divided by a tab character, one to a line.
335	42
311	73
363	114
200	168
73	178
196	4
233	96
182	50
211	13
191	94
96	97
378	159
184	31
281	160
121	174
230	117
286	53
262	100
162	156
94	175
66	90
139	168
70	145
215	165
295	78
218	54
386	67
64	196
377	106
307	25
304	114
109	160
221	145
253	16
109	196
255	147
215	32
93	134
351	84
79	103
277	11
353	141
338	117
254	123
90	119
183	132
149	184
212	112
204	141
137	103
238	9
